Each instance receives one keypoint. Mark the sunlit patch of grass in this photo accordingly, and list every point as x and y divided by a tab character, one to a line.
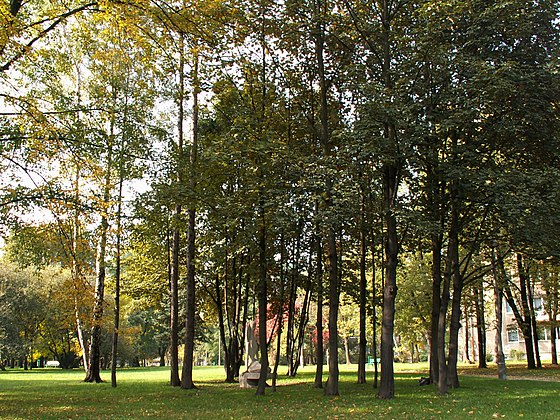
145	393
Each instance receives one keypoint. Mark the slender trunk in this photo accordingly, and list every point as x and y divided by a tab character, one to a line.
467	337
455	325
290	340
304	319
526	324
387	383
262	303
553	338
390	186
374	305
480	328
533	317
331	387
174	310
436	305
280	314
347	350
263	265
498	308
293	338
442	319
187	379
117	280
363	292
245	317
454	272
228	360
76	272
93	373
319	349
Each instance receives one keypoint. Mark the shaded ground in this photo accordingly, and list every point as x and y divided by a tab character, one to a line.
516	371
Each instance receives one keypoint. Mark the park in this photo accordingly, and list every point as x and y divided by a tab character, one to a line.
299	208
145	393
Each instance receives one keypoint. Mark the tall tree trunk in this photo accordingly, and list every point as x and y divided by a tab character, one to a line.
319	349
387	384
174	304
77	280
523	323
434	195
304	319
451	259
467	336
455	325
525	305
93	373
533	316
117	279
437	242
262	303
331	387
390	186
480	328
280	314
363	292
455	321
228	360
290	340
374	305
553	338
498	299
187	379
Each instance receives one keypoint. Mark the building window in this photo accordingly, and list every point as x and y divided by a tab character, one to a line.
538	304
513	334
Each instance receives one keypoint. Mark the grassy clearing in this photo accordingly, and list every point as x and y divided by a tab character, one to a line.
143	393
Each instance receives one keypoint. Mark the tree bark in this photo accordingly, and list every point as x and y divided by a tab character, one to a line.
117	280
280	314
498	309
437	242
363	292
187	378
523	324
77	281
347	350
374	305
480	328
319	349
390	186
262	304
174	286
525	305
533	317
331	387
387	383
453	272
467	336
93	373
553	338
451	259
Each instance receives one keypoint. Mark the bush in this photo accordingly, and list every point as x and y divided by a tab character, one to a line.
516	354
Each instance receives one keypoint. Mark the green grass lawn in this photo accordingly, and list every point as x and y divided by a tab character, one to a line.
142	393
